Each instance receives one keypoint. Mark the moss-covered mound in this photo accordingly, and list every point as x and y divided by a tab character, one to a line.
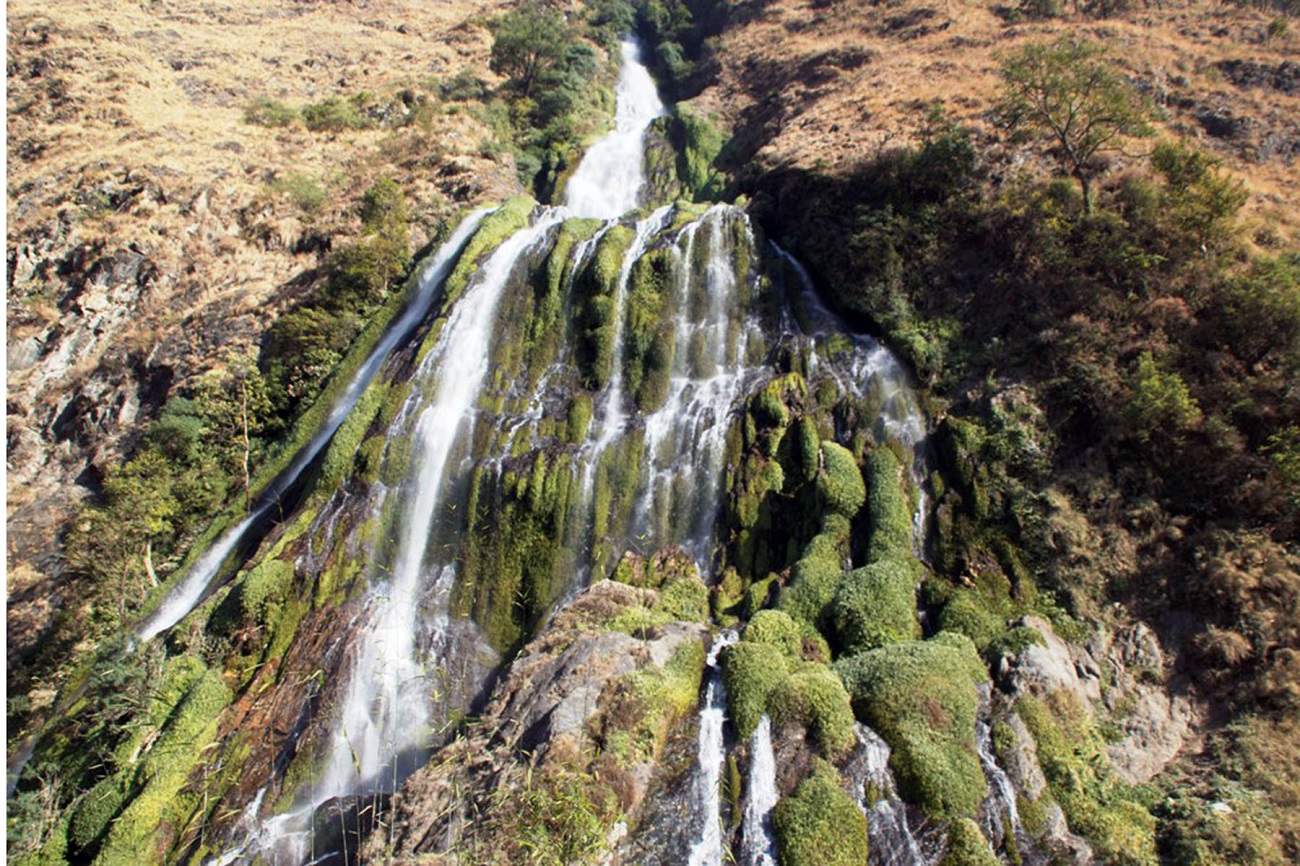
820	825
967	846
921	697
876	605
888	511
814	697
749	672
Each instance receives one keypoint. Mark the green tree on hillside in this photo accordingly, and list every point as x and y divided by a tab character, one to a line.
528	42
1065	93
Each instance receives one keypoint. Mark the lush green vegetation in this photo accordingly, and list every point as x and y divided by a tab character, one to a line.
920	696
820	825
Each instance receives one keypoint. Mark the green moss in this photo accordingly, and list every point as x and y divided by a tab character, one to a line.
964	614
820	825
655	700
778	629
1097	804
920	696
759	595
967	846
699	143
97	808
815	698
579	419
749	672
341	453
839	483
685	600
594	313
876	605
263	587
649	337
814	580
165	771
809	448
887	508
768	405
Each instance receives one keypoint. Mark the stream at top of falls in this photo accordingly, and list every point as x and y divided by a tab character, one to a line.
486	421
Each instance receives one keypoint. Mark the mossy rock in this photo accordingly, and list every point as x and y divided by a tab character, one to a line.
97	809
579	419
967	846
820	825
749	672
876	605
839	482
814	580
815	698
921	697
1098	804
775	627
964	614
887	508
164	772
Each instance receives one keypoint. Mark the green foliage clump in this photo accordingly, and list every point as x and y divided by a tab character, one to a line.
334	115
700	145
876	605
921	697
303	191
262	589
820	825
776	628
97	809
654	701
1098	804
685	600
967	846
559	817
164	771
814	697
270	112
1159	402
579	418
649	336
594	313
839	483
963	614
749	672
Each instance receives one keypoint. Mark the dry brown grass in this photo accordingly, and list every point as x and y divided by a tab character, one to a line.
814	110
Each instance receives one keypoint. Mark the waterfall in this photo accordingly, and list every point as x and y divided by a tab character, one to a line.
711	755
686	437
893	842
760	799
999	812
607	183
482	415
864	368
194	586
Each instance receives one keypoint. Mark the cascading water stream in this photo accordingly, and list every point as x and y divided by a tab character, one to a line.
384	726
893	842
685	439
1000	814
760	799
868	367
607	183
195	585
711	755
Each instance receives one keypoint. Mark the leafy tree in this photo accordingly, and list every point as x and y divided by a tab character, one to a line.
1159	401
528	42
236	404
1065	93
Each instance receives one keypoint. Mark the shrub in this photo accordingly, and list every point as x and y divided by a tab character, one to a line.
333	115
815	698
876	605
270	112
1159	402
964	614
303	191
839	484
749	672
686	600
820	825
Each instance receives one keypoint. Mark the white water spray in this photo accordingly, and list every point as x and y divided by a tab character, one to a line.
195	585
761	797
607	184
711	754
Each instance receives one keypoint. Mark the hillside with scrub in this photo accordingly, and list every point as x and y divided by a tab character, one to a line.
910	474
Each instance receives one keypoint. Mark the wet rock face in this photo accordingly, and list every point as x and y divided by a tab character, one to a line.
550	703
